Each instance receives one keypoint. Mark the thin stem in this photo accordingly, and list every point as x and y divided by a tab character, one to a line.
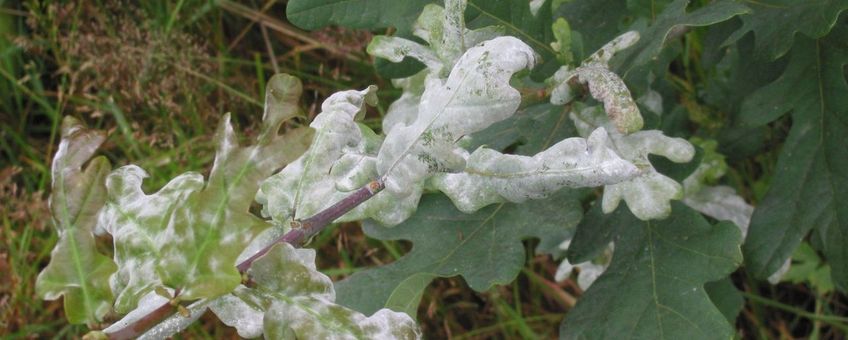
304	230
835	321
307	228
138	327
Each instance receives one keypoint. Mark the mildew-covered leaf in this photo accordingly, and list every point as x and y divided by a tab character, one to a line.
188	234
443	28
342	158
588	271
447	38
722	203
485	248
303	188
493	177
604	85
291	299
136	222
475	95
648	194
403	111
76	270
719	202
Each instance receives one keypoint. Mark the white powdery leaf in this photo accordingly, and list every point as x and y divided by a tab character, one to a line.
310	318
588	271
291	299
239	311
648	195
347	152
403	111
535	6
353	170
475	95
395	49
445	32
303	188
300	302
653	101
603	55
492	177
722	203
604	85
130	216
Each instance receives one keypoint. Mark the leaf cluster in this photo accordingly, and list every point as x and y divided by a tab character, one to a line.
469	163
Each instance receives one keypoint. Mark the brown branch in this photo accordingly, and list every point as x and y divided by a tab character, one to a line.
302	231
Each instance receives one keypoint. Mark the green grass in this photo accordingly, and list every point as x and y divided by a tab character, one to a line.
41	82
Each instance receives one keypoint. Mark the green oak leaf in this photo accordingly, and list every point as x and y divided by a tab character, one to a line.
646	8
810	186
776	22
76	270
808	267
726	297
654	287
533	129
188	235
485	248
674	17
367	14
541	126
597	21
519	20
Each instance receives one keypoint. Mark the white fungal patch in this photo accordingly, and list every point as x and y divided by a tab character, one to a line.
492	177
647	195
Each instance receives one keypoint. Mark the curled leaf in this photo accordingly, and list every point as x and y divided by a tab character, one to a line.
76	270
403	111
341	148
292	299
588	271
648	194
445	32
475	95
492	177
137	224
604	85
188	235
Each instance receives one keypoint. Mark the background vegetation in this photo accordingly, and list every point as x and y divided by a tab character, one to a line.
158	75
